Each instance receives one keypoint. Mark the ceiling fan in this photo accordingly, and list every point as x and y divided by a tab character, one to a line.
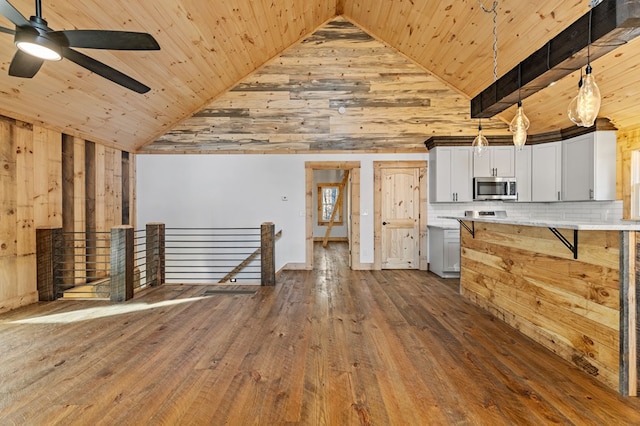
36	42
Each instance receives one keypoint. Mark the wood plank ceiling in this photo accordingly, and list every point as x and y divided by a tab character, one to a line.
207	48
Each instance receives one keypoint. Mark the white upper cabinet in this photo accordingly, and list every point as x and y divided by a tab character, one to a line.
523	173
546	174
589	167
450	174
496	161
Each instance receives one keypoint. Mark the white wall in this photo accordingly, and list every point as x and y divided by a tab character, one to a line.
244	191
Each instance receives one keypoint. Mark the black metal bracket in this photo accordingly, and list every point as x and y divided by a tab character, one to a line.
471	230
573	247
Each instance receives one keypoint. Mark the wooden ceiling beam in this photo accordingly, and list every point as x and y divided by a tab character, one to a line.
613	23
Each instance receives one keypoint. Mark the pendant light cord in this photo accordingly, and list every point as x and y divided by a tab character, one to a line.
589	40
494	11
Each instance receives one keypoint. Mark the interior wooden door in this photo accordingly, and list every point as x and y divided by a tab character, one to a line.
400	213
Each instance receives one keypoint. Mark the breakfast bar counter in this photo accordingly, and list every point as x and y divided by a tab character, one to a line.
570	286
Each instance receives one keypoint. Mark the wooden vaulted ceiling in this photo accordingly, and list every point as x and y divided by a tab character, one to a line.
208	48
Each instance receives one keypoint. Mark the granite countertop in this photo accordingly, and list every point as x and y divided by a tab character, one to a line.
613	225
442	226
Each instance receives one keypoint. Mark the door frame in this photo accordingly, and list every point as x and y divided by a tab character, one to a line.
377	209
353	215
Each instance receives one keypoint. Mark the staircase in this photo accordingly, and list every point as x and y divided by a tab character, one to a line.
96	290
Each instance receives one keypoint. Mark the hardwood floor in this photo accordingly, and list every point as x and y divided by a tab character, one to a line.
331	346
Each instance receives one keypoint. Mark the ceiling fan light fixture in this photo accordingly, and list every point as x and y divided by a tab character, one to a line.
38	46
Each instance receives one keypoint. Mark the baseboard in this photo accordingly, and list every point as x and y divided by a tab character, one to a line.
295	267
18	302
331	239
363	267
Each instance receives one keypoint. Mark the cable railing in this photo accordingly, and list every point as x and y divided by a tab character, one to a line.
213	255
140	280
83	266
118	263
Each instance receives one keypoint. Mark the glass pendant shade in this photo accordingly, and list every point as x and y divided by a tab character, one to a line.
572	112
480	143
588	100
519	126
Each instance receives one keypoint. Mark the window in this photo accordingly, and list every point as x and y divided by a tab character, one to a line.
328	198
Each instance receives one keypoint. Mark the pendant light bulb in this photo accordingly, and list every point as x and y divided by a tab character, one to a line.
480	143
588	99
519	126
572	111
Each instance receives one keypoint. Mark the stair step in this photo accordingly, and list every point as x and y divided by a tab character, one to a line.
97	290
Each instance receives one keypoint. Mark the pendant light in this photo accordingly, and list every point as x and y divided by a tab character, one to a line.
480	143
588	99
588	102
518	127
572	111
520	123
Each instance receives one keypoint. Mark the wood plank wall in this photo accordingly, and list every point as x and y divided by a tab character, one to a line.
34	194
528	278
293	104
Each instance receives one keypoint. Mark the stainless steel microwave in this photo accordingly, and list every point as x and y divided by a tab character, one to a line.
494	188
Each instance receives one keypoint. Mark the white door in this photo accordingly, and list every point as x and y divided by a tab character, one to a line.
400	218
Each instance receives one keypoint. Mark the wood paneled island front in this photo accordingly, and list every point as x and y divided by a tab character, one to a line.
569	286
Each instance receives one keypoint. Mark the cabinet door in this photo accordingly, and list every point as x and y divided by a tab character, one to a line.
482	164
461	180
503	162
604	159
451	261
546	168
523	173
440	174
577	168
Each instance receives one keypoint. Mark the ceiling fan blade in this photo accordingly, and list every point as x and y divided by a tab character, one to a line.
12	14
24	65
7	31
104	70
112	40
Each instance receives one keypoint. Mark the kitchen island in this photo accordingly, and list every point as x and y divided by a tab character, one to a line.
569	286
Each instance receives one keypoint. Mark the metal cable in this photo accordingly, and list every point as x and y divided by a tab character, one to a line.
494	10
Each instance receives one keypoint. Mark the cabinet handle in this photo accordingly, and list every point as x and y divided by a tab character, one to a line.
385	223
591	194
558	195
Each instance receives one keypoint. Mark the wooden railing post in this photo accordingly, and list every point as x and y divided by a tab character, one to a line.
267	254
122	261
49	252
155	253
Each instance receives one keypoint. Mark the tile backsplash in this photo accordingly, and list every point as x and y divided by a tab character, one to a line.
587	211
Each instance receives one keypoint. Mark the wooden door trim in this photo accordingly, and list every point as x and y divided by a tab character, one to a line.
377	209
354	214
